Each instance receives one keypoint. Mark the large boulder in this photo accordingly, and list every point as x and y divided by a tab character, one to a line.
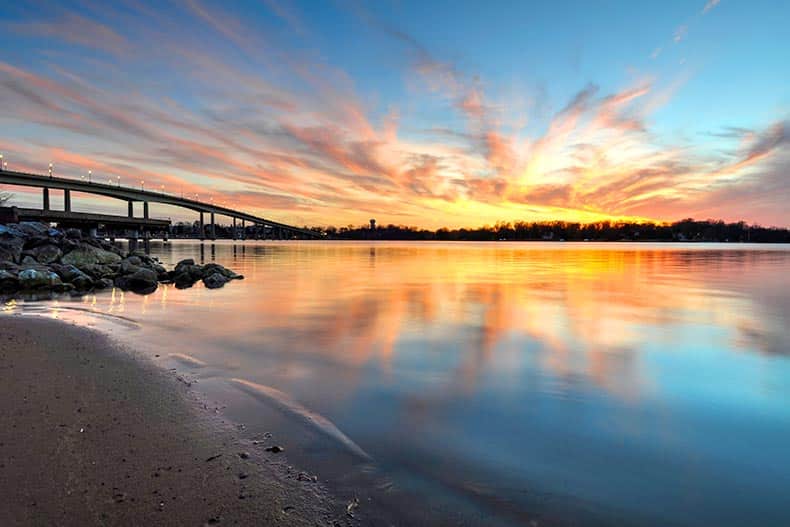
99	271
32	279
142	281
9	283
31	228
215	280
66	272
74	276
73	234
183	280
47	253
103	283
87	255
11	247
129	267
212	268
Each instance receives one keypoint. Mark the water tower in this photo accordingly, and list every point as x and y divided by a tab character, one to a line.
372	224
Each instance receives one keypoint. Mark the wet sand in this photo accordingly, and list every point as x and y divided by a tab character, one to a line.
93	434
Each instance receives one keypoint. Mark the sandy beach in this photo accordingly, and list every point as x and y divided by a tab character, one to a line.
96	435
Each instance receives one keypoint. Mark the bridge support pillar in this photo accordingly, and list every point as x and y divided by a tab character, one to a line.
202	229
131	209
46	198
213	228
243	230
145	209
234	227
133	241
67	200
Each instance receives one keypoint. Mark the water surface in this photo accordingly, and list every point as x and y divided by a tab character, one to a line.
496	383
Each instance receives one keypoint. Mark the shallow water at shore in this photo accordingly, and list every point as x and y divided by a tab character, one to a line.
502	382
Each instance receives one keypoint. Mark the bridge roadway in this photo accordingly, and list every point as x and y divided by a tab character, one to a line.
131	195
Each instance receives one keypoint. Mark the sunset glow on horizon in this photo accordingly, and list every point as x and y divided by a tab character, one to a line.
453	114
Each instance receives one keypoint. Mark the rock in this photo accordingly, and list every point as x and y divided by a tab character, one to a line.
274	449
103	283
31	242
86	255
132	260
82	282
184	263
47	253
11	248
67	272
31	228
29	260
183	280
98	271
143	281
9	266
127	267
160	271
9	283
32	279
74	234
215	281
244	455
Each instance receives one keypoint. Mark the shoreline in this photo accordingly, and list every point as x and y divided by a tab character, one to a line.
95	433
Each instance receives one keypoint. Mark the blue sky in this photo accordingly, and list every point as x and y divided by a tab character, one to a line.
426	113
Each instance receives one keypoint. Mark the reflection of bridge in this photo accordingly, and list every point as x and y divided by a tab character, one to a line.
145	225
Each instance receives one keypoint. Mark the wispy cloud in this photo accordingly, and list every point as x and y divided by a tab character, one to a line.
710	5
680	33
286	134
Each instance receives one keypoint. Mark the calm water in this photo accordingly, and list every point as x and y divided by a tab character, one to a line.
501	383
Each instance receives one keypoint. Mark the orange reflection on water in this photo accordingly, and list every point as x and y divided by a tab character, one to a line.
588	307
575	310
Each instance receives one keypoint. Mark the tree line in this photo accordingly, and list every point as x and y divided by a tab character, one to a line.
685	230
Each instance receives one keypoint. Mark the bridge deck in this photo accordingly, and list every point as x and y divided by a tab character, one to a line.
89	218
26	179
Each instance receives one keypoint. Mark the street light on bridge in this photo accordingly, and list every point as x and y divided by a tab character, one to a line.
2	163
119	180
50	170
142	185
90	174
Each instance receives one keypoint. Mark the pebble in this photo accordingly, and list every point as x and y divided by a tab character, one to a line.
275	449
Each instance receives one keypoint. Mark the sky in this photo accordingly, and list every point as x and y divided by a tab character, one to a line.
442	113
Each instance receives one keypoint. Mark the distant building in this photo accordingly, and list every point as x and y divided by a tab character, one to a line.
372	224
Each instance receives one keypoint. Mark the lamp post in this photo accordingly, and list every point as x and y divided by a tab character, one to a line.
50	170
2	163
119	180
142	185
163	189
90	175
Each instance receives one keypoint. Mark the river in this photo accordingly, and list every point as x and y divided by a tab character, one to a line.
493	383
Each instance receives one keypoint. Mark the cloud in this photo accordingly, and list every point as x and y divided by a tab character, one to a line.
680	33
710	5
284	133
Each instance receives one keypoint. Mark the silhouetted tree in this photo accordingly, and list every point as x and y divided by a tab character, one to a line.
688	230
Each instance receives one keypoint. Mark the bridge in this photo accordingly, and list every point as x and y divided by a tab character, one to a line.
144	224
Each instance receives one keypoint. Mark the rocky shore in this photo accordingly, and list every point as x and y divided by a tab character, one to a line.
38	259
